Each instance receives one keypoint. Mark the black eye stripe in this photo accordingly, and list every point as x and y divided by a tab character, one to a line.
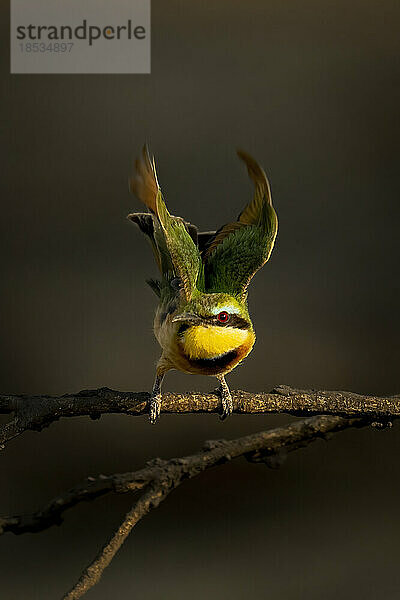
239	322
233	321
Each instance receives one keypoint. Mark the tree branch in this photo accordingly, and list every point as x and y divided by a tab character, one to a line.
36	412
256	447
341	410
160	477
92	574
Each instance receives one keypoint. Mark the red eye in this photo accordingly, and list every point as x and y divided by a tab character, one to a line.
223	317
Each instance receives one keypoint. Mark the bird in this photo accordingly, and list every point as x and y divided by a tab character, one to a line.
202	321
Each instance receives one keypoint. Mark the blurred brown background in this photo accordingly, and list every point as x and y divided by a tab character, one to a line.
312	90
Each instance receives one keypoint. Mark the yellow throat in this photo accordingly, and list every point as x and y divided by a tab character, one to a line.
212	341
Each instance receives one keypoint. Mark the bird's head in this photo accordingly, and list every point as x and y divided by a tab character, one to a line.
213	324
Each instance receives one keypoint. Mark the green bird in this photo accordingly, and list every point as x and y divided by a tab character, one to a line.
202	322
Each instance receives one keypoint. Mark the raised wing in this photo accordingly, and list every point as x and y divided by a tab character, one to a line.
171	237
239	249
184	254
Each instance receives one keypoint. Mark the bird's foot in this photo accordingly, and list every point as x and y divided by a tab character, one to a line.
226	400
155	399
227	406
155	408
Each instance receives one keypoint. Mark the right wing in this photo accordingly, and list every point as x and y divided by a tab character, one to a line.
239	249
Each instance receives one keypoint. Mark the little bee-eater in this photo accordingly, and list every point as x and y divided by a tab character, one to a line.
202	321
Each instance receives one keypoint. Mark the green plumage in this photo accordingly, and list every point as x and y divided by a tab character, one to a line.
240	255
202	322
221	261
184	254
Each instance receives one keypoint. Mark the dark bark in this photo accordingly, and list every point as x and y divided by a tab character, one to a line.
340	410
160	477
36	412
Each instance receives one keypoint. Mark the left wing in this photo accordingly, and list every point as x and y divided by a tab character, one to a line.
171	237
239	249
184	254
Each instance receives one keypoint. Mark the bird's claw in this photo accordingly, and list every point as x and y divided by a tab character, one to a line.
155	408
227	404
